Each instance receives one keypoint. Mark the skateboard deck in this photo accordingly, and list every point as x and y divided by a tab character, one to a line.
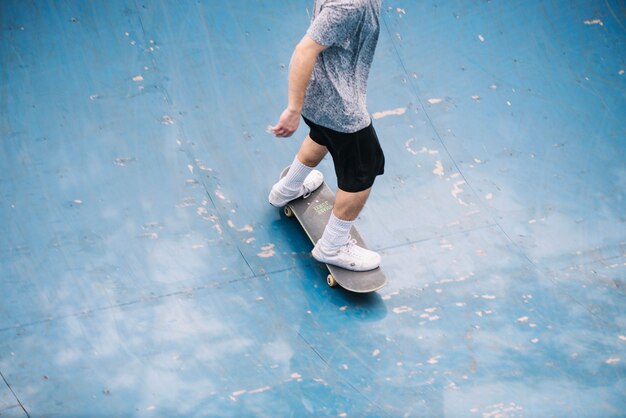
313	214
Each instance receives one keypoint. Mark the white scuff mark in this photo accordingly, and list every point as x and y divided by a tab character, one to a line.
190	168
508	103
422	150
476	98
532	221
260	390
246	228
151	408
94	97
481	253
430	310
594	22
456	191
343	308
522	319
622	337
445	244
402	309
481	38
407	145
534	340
77	202
433	360
376	352
493	86
435	100
138	78
126	34
296	375
488	297
613	360
133	43
400	11
197	246
250	240
460	304
489	196
167	120
392	112
268	251
237	393
218	228
438	170
620	72
219	194
123	161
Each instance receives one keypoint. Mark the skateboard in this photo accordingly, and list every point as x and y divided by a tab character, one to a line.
313	214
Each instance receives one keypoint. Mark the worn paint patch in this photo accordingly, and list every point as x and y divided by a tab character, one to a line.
438	170
268	251
456	191
594	22
393	112
435	100
402	309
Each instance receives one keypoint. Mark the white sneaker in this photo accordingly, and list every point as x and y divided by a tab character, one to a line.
350	257
279	196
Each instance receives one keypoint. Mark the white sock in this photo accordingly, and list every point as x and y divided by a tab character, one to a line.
296	175
335	234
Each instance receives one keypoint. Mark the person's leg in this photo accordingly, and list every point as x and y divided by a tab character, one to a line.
358	159
311	153
349	205
301	178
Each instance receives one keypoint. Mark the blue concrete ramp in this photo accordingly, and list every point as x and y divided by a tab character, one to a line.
144	274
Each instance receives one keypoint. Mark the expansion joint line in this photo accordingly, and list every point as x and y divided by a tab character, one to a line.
14	395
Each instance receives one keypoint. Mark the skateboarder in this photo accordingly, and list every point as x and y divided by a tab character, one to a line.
327	87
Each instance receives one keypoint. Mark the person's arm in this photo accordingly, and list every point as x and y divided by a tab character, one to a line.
302	63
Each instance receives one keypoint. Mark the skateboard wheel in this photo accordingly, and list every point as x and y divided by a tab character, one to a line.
288	212
330	280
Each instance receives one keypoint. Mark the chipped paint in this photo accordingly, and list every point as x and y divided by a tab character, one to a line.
456	191
438	170
402	309
393	112
268	251
594	22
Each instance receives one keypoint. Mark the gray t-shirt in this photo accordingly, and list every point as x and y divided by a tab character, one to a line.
336	96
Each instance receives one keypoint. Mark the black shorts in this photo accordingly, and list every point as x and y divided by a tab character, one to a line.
357	156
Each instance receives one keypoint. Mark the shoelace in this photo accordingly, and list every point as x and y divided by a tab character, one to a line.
307	192
350	245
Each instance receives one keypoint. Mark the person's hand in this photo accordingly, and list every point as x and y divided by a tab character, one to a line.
287	124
